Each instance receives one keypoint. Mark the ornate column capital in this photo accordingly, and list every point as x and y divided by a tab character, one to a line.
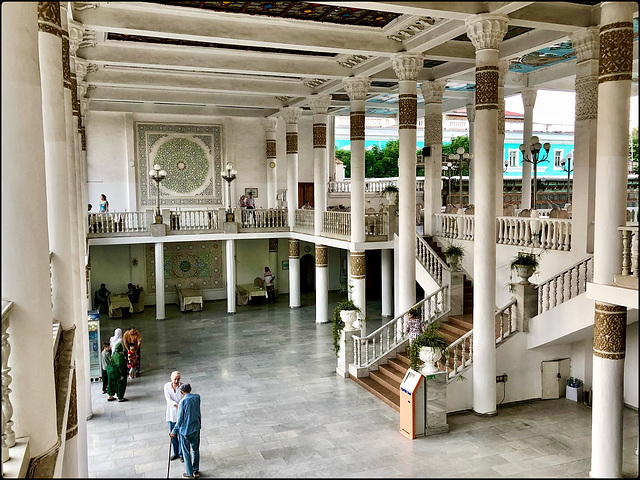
269	124
294	248
358	265
503	69
486	30
49	18
586	43
319	103
82	68
609	331
76	34
290	114
471	113
529	96
432	91
357	87
407	65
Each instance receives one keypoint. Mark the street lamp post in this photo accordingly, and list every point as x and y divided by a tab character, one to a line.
566	166
460	156
534	159
448	166
229	175
157	175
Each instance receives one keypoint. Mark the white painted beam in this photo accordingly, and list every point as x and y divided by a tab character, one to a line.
112	106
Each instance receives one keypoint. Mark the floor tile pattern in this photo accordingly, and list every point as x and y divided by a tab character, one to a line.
272	406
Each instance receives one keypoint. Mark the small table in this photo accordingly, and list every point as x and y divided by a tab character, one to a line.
117	303
251	290
189	299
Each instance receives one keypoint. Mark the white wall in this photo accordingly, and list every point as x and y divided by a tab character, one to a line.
631	366
113	265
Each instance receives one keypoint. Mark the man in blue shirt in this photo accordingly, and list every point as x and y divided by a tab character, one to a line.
188	427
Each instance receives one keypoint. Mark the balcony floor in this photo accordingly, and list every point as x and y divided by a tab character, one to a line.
272	406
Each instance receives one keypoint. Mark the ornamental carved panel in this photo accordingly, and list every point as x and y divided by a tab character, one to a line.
433	129
358	265
294	248
616	52
66	69
322	259
587	98
356	125
407	111
72	423
292	142
487	88
273	245
192	157
49	18
609	331
501	114
319	135
271	148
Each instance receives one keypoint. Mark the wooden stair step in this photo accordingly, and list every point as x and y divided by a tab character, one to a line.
452	329
385	380
387	396
392	372
404	358
399	364
460	322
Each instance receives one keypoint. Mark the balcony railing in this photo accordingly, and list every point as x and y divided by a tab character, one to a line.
305	221
629	274
271	219
337	224
371	186
117	222
186	220
8	434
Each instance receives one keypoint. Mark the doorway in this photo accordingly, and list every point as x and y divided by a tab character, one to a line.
305	193
307	273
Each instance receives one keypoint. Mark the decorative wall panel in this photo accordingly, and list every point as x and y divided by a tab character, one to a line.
188	265
192	157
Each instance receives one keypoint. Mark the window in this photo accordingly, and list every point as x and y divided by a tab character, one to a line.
557	158
513	158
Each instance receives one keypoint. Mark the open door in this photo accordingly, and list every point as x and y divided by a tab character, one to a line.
555	374
305	193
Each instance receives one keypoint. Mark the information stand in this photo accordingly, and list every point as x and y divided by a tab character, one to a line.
94	345
412	405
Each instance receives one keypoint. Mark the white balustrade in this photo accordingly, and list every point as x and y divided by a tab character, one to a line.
207	219
629	249
459	356
376	224
371	185
336	223
549	233
371	348
261	218
633	214
506	324
565	285
116	222
8	434
305	221
430	260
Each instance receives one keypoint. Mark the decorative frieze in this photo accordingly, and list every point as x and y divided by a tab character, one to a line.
271	148
315	82
433	129
88	39
291	115
292	142
66	68
49	18
322	258
358	265
407	111
294	248
356	125
319	104
75	102
356	87
609	331
273	245
72	422
501	113
487	87
76	34
586	43
432	91
486	30
319	135
353	60
616	52
407	66
587	98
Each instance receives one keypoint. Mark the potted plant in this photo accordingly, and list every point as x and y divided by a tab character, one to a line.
391	193
345	313
525	264
454	253
428	347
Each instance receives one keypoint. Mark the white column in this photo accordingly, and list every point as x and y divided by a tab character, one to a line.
486	32
407	67
230	259
387	282
586	44
331	149
159	263
273	260
294	273
432	93
322	284
319	105
357	278
25	244
357	88
291	116
503	66
471	118
614	89
529	101
270	124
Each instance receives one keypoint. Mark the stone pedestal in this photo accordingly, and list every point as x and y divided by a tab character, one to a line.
457	293
230	227
158	229
526	304
436	419
345	355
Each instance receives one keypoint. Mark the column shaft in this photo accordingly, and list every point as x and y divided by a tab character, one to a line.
230	259
292	171
357	274
25	242
387	282
322	284
273	260
357	121
319	105
471	117
433	164
294	273
270	124
528	100
159	264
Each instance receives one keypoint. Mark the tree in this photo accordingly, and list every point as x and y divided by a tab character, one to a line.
633	149
449	148
345	157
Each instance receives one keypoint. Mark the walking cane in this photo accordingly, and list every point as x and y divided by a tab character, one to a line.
169	463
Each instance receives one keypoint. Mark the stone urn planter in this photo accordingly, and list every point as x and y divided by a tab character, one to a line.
429	356
525	272
392	197
348	317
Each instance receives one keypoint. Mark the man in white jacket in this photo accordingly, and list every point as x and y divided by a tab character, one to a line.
173	396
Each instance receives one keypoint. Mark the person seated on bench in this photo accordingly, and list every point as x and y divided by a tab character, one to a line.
133	293
102	298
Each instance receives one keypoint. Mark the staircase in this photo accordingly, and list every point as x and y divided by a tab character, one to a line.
385	382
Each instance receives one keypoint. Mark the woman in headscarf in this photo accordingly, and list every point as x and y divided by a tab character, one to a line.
117	374
117	338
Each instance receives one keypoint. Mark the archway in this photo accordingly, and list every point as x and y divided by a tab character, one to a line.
307	273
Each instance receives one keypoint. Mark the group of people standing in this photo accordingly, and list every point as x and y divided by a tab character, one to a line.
119	360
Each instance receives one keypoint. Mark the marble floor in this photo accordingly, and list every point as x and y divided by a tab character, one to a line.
272	406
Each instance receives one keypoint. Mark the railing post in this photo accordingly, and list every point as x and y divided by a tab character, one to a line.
8	435
345	355
526	297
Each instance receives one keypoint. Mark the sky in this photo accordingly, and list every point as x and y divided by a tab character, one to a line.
559	107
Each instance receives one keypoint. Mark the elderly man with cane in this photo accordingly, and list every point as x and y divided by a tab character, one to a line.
188	426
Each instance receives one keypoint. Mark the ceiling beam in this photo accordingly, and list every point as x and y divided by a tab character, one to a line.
111	106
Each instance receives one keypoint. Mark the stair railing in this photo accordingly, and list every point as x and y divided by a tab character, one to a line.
373	347
506	324
431	261
565	285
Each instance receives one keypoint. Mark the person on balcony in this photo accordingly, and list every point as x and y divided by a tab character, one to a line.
241	201
104	204
269	277
306	206
249	201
